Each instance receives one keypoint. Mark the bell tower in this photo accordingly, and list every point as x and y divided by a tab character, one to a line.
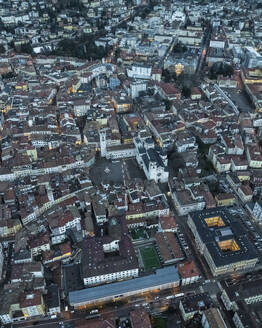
102	134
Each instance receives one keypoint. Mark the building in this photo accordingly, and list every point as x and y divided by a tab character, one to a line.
186	203
169	248
257	211
1	260
193	304
9	305
139	318
225	199
115	151
168	91
248	291
40	244
245	193
121	151
222	241
212	318
254	157
188	272
106	260
121	103
247	316
32	304
67	219
163	278
52	300
253	59
152	160
102	134
140	72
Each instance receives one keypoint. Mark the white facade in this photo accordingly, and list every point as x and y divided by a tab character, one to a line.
1	260
111	247
117	153
102	134
71	224
217	44
186	208
5	318
137	87
39	249
257	211
139	72
109	277
153	162
81	109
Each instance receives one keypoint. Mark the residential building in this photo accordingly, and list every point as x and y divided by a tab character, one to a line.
193	304
212	318
32	304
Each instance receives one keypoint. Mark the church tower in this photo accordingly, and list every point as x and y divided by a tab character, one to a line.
102	134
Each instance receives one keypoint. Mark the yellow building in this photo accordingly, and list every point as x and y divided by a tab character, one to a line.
32	304
32	153
225	199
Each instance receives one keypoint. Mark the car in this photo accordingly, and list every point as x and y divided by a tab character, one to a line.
94	311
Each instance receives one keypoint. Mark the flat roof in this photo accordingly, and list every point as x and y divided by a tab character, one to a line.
211	236
162	276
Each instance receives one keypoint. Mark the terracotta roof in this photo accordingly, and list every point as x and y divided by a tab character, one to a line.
188	270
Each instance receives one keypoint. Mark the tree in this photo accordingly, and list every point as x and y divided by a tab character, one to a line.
219	68
26	48
2	49
166	75
186	92
117	54
228	70
167	104
179	48
8	75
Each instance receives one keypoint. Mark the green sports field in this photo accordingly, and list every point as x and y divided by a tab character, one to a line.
150	258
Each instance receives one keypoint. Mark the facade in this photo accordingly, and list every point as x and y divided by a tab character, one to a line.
221	240
52	300
249	292
115	151
185	203
212	318
163	278
98	268
254	157
120	151
102	134
245	193
32	304
152	161
188	272
225	199
40	245
140	72
1	260
257	211
193	304
252	58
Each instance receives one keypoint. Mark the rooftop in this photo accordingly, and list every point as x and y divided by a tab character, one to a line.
161	277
